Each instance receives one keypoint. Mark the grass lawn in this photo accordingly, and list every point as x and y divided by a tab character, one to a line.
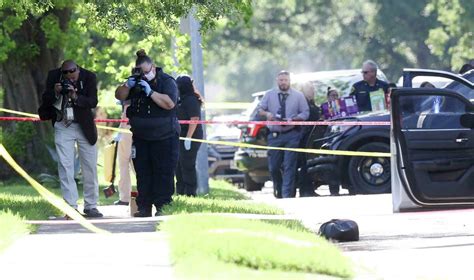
12	227
230	248
222	198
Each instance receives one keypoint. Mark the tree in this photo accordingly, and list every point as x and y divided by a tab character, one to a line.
304	35
101	35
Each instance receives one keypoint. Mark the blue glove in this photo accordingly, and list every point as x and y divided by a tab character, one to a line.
187	145
146	88
131	82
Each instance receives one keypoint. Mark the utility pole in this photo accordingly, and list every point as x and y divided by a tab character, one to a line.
202	164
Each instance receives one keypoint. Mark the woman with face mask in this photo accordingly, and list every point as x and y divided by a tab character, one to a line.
154	124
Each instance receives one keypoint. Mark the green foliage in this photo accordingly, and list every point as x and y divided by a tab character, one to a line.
12	227
17	137
454	38
308	36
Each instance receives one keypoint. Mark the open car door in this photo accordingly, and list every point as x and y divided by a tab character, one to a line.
432	146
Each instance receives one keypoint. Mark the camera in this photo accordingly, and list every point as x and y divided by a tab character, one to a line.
137	75
65	86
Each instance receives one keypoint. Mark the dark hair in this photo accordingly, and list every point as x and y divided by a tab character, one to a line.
142	57
392	85
466	67
185	87
331	89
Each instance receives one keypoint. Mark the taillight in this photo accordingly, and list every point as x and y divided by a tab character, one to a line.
253	129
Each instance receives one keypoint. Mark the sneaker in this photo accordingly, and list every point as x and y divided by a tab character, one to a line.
142	214
92	213
119	202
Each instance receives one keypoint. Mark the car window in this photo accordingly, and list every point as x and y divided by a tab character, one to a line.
431	112
461	88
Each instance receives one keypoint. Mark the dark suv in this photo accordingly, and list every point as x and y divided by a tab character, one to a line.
364	175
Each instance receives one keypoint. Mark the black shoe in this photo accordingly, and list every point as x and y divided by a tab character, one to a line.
119	202
142	214
92	213
308	194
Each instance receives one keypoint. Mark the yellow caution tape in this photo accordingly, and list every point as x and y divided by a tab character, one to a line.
121	130
18	113
245	145
50	197
300	150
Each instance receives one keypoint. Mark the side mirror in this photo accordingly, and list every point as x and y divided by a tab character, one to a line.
467	120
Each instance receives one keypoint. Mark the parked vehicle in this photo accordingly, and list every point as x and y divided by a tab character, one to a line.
433	144
253	162
366	175
220	157
359	175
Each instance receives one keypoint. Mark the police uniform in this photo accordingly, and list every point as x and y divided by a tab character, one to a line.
362	91
155	144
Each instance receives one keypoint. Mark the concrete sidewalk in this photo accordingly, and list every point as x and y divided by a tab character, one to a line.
134	250
412	245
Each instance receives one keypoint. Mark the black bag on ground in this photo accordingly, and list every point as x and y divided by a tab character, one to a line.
340	230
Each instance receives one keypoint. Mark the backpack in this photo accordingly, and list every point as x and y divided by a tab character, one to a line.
340	230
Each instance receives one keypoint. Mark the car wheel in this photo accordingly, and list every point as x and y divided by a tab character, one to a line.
370	175
250	185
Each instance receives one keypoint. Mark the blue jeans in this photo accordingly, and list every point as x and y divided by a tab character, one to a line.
282	164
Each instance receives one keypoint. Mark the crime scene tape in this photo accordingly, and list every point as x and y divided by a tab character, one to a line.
50	197
245	145
300	150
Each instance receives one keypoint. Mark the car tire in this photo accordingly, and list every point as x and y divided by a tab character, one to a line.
250	185
370	175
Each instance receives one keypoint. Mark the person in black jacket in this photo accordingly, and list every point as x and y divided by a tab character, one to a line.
306	187
70	96
189	108
154	124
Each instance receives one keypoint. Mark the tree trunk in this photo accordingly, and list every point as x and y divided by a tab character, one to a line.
24	79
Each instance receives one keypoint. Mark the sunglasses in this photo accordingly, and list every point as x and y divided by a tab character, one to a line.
365	72
70	71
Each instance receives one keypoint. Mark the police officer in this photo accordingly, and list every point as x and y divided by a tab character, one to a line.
370	84
154	124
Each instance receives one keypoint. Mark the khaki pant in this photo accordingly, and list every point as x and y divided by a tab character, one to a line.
125	165
65	139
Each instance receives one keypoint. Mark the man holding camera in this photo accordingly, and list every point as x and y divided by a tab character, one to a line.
70	96
283	104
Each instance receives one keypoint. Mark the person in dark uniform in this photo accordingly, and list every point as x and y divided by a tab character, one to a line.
370	85
154	124
189	108
306	187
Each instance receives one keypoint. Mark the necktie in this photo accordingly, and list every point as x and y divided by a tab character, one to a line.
283	97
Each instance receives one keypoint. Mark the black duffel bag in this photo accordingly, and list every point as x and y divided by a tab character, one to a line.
340	230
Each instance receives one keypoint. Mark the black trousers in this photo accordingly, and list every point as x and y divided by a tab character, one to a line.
186	178
306	186
155	165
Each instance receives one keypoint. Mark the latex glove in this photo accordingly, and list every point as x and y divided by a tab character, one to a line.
118	137
131	82
146	88
187	145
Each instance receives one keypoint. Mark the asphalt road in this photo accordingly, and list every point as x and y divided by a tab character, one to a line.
414	245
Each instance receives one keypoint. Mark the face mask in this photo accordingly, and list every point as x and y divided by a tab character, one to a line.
150	75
